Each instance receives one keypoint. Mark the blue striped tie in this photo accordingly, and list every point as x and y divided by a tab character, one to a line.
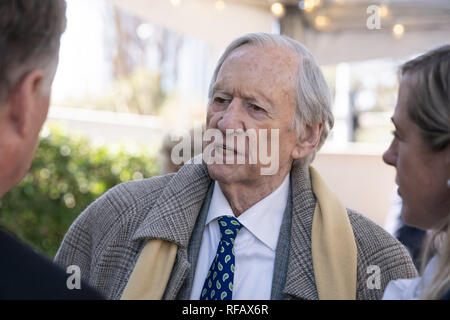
219	280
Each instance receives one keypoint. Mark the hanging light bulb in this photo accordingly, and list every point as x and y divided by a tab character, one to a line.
278	9
321	22
175	3
308	5
398	30
220	4
384	11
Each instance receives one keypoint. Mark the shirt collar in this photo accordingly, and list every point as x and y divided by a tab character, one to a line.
263	219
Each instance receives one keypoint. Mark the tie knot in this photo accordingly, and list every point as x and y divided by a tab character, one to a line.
229	227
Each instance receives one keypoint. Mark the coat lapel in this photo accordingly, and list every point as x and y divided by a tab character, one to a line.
173	218
174	214
300	283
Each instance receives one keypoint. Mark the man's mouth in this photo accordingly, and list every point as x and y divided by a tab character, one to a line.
224	150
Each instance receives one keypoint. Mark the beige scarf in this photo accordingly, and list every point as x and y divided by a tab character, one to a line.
334	254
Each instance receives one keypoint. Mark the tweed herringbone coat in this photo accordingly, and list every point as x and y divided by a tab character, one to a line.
106	239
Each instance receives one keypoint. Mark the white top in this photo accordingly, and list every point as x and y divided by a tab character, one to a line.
411	289
254	246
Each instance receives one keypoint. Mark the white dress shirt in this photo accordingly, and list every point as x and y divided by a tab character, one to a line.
254	246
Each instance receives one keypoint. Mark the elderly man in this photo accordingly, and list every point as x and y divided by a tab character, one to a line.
224	230
30	32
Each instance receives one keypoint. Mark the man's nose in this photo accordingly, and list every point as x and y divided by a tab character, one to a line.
390	155
233	117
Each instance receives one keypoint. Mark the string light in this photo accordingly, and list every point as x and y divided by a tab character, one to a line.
219	4
309	5
384	11
175	3
321	22
398	30
277	9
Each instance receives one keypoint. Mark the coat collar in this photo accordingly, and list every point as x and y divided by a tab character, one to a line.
300	282
174	214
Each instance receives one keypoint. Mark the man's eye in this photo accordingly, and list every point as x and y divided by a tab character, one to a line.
220	100
256	108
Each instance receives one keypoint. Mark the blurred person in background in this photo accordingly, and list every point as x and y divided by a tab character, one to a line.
30	32
224	231
169	142
420	152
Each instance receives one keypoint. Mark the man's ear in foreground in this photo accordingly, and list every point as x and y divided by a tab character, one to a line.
21	117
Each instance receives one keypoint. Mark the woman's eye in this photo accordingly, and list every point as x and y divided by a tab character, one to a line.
395	134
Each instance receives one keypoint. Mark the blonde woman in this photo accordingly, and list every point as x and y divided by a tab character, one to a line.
420	152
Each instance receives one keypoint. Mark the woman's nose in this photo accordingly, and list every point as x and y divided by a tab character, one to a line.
390	155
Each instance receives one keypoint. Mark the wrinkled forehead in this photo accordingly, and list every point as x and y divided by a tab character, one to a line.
266	68
275	60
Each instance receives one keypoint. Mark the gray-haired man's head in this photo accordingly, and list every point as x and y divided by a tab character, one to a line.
267	81
30	32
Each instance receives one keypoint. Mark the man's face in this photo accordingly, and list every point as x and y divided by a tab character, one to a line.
421	173
255	89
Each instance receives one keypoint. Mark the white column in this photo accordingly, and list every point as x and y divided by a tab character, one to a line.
341	110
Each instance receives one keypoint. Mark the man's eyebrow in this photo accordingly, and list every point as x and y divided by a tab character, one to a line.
264	97
218	89
252	98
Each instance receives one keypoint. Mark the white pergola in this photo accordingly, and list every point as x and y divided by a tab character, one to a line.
334	30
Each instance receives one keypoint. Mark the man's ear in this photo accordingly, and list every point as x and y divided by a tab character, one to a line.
308	141
24	99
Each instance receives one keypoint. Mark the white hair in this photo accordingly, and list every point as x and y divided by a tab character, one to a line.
313	95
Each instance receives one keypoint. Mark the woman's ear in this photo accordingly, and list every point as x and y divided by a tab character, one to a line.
308	141
24	99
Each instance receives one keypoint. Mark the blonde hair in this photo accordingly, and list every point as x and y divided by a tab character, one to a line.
429	103
438	242
429	109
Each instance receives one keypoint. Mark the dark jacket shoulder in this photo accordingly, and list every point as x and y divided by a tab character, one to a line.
26	275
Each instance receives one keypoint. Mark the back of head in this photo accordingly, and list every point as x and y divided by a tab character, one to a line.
30	32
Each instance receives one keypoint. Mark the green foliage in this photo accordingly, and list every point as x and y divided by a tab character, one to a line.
67	174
